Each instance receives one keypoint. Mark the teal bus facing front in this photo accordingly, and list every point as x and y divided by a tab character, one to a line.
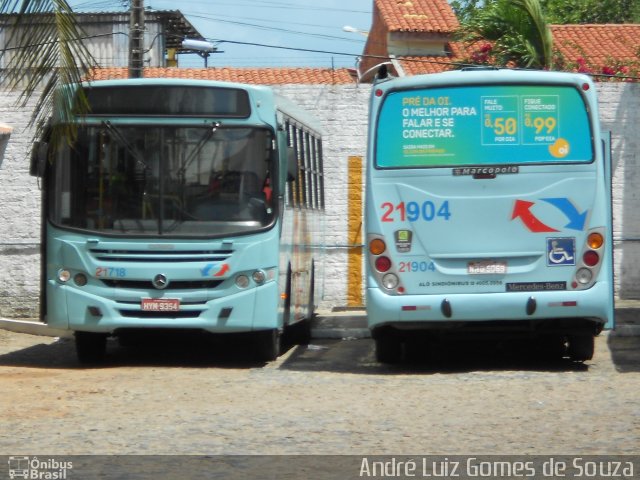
180	204
488	208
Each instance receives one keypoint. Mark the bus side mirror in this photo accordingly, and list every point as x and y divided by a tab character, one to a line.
38	159
292	165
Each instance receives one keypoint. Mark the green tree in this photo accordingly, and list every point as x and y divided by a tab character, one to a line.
43	53
592	11
467	9
517	31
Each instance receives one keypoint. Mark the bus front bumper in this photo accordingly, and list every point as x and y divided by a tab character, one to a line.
247	310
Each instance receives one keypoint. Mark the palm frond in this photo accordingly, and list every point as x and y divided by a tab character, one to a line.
44	53
517	30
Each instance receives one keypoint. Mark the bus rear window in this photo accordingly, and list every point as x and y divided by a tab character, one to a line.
483	125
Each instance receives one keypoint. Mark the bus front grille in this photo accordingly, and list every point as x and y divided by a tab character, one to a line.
161	256
174	285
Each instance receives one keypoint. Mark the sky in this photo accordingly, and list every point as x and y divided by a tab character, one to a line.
291	24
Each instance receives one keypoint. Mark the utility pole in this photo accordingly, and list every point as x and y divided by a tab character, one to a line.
136	38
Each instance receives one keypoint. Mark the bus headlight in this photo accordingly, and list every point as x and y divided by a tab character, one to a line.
80	279
259	277
242	281
64	275
390	281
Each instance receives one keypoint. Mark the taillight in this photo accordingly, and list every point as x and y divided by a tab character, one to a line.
595	240
383	264
377	246
590	258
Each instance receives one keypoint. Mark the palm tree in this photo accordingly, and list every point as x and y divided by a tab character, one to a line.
517	30
44	54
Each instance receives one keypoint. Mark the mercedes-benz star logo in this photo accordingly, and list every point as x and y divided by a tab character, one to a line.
160	281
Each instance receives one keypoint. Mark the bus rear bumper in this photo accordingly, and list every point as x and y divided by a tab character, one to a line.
248	310
552	312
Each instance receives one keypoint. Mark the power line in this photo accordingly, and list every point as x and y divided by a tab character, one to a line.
325	52
276	29
279	5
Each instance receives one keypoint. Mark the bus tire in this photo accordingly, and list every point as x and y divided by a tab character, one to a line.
91	347
267	345
581	347
388	349
552	347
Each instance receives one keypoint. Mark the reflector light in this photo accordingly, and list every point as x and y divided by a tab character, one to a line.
563	304
409	308
383	264
595	241
378	93
590	258
377	246
585	86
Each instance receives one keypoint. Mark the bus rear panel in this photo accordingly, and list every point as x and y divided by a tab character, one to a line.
488	209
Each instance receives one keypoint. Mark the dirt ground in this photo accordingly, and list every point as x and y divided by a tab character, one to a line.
186	396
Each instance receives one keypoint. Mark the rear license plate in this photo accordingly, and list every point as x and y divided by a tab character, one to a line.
486	267
160	304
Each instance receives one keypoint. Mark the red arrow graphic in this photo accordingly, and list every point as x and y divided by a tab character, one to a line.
522	209
223	270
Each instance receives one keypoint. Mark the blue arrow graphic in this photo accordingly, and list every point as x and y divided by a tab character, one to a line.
207	268
576	219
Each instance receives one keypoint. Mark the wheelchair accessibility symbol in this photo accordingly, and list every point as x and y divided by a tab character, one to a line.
561	251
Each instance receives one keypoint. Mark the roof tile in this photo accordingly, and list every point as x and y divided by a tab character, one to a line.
599	45
434	16
261	76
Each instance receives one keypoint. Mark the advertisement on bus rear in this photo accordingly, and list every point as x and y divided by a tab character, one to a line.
483	125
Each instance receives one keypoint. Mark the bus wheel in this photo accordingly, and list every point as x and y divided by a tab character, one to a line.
388	349
581	347
552	347
91	347
267	345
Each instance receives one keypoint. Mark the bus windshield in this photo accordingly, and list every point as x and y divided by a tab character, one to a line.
200	181
483	125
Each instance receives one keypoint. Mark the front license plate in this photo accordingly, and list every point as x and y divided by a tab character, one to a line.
160	304
486	267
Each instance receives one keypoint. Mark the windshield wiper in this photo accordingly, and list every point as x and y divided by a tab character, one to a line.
122	140
199	146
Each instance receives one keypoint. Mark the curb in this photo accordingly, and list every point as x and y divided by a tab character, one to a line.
32	327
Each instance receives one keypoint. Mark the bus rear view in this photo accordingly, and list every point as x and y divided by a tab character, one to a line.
488	209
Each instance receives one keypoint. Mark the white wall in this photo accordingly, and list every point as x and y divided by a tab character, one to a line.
620	113
342	110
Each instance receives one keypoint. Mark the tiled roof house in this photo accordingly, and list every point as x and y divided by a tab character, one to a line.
409	29
262	76
418	36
